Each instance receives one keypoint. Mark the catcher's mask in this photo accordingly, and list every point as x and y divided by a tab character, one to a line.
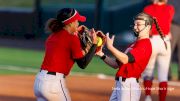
68	15
145	17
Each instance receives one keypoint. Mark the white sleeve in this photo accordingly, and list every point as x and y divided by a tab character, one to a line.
111	62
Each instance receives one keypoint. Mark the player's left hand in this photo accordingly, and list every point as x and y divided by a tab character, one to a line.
109	41
100	53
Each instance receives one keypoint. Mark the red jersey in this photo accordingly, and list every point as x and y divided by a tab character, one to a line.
164	15
141	50
61	49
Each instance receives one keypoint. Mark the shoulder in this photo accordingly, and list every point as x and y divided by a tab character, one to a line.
171	8
143	42
74	39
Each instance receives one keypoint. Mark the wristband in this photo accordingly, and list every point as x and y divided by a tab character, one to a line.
103	57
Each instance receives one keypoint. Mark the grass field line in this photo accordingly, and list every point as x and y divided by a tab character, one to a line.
17	68
100	76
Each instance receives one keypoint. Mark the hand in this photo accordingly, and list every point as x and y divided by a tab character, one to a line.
94	36
82	27
109	41
100	33
100	52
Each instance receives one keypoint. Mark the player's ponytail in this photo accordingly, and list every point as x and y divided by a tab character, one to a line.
53	25
56	24
159	31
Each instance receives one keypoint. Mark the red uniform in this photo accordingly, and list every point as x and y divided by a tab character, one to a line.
164	15
61	50
141	50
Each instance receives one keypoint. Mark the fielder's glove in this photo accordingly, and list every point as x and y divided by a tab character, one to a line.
85	37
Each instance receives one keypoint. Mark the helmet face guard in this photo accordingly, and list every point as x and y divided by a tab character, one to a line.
136	33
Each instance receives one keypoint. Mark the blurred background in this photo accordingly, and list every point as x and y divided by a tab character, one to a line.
22	26
22	33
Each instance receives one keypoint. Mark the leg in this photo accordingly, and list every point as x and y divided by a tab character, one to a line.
116	92
51	88
162	91
149	71
135	91
163	61
130	90
41	99
37	89
56	91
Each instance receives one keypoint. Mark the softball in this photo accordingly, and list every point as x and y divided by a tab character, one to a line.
100	41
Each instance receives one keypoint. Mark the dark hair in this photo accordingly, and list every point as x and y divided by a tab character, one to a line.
56	24
149	20
159	31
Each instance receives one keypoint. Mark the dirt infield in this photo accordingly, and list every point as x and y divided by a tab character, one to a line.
82	88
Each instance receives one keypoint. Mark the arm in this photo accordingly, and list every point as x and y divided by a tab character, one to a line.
111	62
83	62
120	56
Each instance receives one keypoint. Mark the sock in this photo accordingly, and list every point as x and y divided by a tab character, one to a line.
147	86
162	91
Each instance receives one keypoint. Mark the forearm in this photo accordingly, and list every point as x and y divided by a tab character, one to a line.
120	56
83	62
111	62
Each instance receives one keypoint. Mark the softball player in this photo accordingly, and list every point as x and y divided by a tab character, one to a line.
62	49
132	62
161	49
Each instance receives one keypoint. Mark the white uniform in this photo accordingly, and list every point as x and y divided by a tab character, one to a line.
48	87
128	90
161	56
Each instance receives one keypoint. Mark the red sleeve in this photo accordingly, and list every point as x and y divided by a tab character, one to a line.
172	11
76	48
138	53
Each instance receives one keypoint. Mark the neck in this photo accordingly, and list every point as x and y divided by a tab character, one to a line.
160	3
68	29
143	37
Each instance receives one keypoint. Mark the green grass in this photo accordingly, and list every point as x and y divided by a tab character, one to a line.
10	72
32	59
96	66
20	57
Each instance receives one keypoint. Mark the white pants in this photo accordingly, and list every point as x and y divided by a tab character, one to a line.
49	87
128	90
161	56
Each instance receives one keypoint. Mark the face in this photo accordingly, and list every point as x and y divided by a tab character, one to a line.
139	25
74	26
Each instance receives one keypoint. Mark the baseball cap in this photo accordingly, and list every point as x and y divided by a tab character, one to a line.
75	16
